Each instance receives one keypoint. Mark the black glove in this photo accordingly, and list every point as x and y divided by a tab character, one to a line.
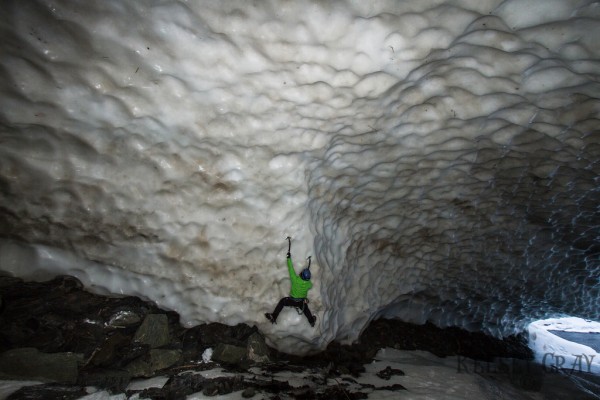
289	255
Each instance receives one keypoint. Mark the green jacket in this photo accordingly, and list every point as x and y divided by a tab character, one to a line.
300	287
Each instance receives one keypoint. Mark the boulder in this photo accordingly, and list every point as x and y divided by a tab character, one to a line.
113	379
67	283
107	353
154	331
388	372
124	319
257	349
29	363
210	335
229	354
156	360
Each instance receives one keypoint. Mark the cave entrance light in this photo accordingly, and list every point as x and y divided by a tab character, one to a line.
570	344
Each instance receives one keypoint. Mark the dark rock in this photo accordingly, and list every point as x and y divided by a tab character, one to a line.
229	354
124	318
29	363
190	344
33	331
154	331
393	388
344	359
387	373
368	386
49	323
249	393
156	360
304	393
213	334
178	387
339	393
272	386
162	358
111	379
257	349
108	353
223	386
122	311
83	338
133	351
197	339
141	367
59	316
48	391
116	353
67	283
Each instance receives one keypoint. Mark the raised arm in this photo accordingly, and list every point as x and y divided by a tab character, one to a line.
291	268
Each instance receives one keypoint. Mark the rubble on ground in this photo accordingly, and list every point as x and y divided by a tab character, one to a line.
70	340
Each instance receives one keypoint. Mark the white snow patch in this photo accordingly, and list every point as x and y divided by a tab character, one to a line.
207	355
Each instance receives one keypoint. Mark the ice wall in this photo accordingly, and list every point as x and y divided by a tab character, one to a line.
439	160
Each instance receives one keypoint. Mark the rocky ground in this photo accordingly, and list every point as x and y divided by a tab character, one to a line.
58	333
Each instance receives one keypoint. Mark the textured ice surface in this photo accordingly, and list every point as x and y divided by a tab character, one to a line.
438	159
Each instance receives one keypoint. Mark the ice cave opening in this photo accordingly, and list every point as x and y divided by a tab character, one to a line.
568	344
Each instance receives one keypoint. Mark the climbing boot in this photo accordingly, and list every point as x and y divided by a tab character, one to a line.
270	317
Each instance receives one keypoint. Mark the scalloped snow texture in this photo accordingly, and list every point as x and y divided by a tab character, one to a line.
440	160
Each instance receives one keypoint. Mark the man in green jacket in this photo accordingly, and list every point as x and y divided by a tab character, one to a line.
300	286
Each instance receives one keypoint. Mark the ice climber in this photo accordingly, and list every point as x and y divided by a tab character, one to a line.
300	286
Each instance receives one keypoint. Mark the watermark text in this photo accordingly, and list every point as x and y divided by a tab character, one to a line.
551	363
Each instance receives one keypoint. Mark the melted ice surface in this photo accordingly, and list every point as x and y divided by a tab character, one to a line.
438	159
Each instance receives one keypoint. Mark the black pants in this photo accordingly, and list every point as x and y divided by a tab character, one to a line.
291	302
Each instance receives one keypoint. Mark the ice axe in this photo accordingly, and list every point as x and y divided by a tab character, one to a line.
289	239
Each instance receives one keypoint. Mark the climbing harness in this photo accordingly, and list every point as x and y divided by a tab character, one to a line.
300	310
